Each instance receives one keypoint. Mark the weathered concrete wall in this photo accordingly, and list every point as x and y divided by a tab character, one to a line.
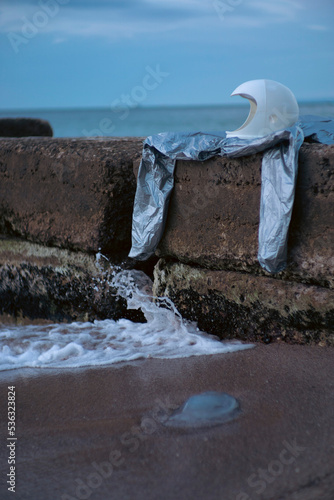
213	216
25	127
62	200
48	283
232	304
71	193
212	227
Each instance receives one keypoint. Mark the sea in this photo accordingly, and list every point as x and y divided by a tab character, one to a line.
144	121
165	334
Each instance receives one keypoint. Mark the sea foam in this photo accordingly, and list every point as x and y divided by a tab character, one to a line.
165	335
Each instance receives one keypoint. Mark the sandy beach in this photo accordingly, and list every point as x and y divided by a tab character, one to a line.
97	433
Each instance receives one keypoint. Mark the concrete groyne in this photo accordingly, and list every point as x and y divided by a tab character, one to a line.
64	200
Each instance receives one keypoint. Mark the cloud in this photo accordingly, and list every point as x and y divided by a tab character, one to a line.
115	20
103	18
284	7
275	12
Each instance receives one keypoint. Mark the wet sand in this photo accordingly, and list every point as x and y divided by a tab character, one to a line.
96	433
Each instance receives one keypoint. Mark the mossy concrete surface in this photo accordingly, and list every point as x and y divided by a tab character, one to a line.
208	252
39	283
233	304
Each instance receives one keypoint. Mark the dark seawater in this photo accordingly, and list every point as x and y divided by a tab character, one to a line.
142	121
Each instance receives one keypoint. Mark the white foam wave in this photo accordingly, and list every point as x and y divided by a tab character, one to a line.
165	335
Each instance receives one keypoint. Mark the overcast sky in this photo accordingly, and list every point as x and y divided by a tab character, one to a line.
86	53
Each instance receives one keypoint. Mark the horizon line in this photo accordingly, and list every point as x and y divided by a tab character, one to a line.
155	106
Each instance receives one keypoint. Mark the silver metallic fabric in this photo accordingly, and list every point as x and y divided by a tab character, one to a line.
279	173
317	129
278	182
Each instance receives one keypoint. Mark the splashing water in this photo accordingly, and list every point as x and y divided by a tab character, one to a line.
165	335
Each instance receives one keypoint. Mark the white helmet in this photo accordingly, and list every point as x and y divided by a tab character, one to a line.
272	107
